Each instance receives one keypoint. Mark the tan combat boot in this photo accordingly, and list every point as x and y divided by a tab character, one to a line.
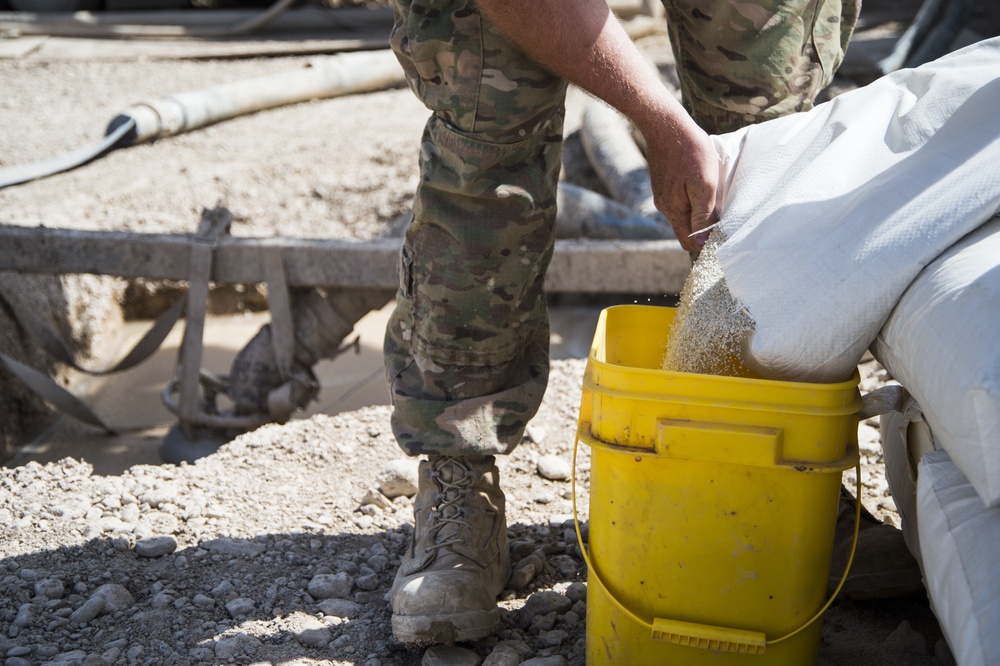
458	562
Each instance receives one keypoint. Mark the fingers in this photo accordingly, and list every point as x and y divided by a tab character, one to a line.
680	220
702	221
694	217
684	168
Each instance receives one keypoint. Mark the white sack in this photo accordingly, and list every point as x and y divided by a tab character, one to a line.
831	213
942	342
959	542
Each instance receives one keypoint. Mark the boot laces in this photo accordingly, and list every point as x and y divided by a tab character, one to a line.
448	510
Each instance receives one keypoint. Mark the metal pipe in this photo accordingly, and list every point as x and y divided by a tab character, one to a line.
939	40
617	160
930	35
583	213
578	266
331	76
911	37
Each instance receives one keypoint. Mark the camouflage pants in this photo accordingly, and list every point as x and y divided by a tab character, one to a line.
466	349
741	63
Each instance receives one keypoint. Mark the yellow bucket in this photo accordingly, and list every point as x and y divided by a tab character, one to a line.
713	504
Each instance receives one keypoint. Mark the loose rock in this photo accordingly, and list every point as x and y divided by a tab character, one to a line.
328	586
155	546
449	655
552	638
235	646
554	467
503	655
314	634
240	607
51	588
375	498
399	478
535	432
526	569
115	596
234	547
339	608
543	603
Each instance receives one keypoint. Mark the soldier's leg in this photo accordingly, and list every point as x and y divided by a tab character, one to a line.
747	62
466	349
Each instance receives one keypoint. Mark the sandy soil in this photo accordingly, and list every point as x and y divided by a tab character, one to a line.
249	534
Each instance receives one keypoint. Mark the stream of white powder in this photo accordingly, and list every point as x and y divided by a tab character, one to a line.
710	326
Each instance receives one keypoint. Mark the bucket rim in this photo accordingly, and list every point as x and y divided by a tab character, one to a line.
700	398
592	357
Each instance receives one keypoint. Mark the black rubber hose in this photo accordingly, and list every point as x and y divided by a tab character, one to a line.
121	134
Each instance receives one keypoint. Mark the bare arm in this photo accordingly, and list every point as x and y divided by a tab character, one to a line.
581	41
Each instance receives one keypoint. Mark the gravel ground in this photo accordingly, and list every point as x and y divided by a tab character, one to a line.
281	547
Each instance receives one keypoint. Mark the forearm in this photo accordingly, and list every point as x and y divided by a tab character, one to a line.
581	41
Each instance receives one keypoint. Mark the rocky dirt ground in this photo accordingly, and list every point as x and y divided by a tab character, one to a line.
280	548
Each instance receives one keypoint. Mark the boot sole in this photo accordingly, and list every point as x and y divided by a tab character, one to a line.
446	628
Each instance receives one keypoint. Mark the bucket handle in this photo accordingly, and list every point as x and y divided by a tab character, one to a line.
693	634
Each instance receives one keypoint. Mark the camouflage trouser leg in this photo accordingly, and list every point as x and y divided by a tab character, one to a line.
741	63
466	349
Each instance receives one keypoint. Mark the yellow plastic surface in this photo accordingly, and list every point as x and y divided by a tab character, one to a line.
705	636
713	502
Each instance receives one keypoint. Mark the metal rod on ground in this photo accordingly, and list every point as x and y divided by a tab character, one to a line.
75	27
105	23
214	225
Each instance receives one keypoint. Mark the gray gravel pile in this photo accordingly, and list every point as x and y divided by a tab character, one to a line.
280	548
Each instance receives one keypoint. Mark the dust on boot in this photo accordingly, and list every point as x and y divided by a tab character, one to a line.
457	562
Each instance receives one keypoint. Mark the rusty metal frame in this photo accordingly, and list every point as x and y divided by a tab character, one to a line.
578	266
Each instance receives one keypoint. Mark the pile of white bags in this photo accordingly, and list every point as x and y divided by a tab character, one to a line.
942	342
830	214
959	539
